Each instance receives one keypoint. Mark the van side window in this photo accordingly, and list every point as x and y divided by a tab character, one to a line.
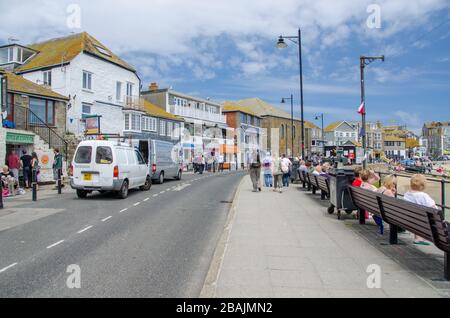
121	156
84	154
139	158
131	157
104	155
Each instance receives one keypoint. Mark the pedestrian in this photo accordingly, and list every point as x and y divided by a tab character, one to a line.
221	161
202	164
57	164
277	175
267	168
36	168
255	171
26	167
14	163
286	166
417	195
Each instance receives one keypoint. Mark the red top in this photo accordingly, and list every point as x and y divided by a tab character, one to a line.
13	161
357	183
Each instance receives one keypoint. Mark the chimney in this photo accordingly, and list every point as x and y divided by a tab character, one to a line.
153	87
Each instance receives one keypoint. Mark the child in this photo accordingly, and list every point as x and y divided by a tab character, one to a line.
418	196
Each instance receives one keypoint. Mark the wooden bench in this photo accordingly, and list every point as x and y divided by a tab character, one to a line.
428	223
313	182
324	186
302	177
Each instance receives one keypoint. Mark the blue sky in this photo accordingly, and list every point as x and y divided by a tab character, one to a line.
226	50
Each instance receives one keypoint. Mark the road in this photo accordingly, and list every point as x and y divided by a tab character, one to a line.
157	243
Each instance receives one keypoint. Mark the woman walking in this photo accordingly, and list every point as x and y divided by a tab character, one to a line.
267	168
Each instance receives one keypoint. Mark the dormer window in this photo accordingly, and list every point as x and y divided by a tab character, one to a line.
47	78
15	54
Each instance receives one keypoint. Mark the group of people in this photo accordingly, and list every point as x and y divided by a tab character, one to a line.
29	165
276	170
367	179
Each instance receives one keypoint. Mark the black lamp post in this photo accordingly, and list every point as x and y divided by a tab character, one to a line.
323	136
283	101
364	61
281	44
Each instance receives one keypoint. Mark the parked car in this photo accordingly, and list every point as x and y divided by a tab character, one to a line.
163	158
100	165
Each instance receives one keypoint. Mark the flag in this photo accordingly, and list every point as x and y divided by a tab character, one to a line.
361	109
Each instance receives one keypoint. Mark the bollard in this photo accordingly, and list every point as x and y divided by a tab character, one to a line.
59	181
443	196
1	194
34	185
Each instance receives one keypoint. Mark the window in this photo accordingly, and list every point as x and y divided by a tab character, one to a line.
47	78
162	127
176	129
139	158
84	154
135	122
104	155
118	91
87	80
170	129
102	50
127	121
130	89
282	131
42	111
148	123
10	54
86	108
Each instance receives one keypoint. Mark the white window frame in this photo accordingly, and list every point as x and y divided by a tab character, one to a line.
130	123
169	130
130	87
162	127
118	91
47	77
89	81
88	105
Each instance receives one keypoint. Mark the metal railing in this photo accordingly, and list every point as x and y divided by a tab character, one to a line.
26	119
443	182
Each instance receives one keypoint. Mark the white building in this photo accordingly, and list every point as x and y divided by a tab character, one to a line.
97	81
205	128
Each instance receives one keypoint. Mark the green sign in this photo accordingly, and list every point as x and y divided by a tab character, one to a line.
15	138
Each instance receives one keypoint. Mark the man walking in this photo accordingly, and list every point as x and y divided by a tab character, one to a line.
26	165
255	171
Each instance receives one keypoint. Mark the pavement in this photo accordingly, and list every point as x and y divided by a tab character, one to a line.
286	245
156	243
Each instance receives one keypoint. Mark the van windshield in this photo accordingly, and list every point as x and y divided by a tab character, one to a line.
104	155
83	154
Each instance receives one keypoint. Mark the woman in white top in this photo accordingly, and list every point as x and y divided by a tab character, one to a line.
418	196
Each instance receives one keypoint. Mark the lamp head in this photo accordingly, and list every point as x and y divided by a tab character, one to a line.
283	101
281	44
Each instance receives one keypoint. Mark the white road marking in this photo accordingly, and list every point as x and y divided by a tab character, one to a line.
162	192
7	267
121	211
85	229
106	219
137	203
55	244
155	195
146	199
182	187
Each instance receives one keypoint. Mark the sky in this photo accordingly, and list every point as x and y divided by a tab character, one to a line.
225	50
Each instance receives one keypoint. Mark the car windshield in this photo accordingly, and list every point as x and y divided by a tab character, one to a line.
83	154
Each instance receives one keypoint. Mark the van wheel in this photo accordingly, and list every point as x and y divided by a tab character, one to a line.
178	177
147	185
161	178
123	192
81	194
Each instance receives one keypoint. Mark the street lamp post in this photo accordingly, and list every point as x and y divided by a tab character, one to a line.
364	61
283	101
281	44
323	136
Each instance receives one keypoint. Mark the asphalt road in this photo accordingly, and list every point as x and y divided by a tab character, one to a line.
157	243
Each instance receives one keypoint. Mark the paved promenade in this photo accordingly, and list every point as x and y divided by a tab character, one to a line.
286	245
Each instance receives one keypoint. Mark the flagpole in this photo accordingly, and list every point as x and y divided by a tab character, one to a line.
363	113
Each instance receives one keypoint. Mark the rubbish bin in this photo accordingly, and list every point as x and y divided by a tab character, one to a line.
340	199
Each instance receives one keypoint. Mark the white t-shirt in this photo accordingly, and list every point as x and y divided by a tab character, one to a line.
420	198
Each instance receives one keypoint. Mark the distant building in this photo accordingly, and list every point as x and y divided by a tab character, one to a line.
437	135
340	132
246	125
204	128
278	128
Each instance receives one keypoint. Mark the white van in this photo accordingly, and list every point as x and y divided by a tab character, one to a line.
100	165
163	158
